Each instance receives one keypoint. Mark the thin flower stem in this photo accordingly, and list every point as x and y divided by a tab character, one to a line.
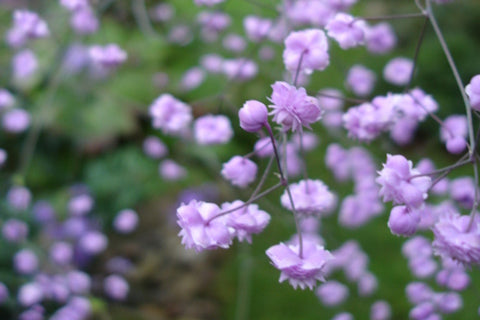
417	52
393	17
451	62
475	197
458	164
284	182
264	177
297	72
246	203
140	14
244	281
304	164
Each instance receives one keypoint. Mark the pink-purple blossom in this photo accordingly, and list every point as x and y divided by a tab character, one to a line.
300	269
245	221
398	71
310	197
306	50
170	115
346	30
239	171
473	91
212	129
253	116
360	80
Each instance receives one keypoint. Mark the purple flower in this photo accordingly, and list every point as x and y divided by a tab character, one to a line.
80	205
332	293
239	171
78	282
403	221
380	39
208	3
253	116
453	132
473	91
380	310
213	63
162	12
346	30
26	25
83	21
462	190
310	197
61	253
367	284
171	171
457	238
201	228
212	129
192	78
19	198
126	221
306	50
30	294
264	147
170	115
73	5
398	71
234	43
3	293
25	261
16	120
418	292
240	69
116	287
108	56
93	242
14	230
360	80
301	271
245	221
292	107
154	147
24	65
399	185
343	316
256	28
7	100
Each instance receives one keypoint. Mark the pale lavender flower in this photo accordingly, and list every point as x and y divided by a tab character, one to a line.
234	43
83	21
171	171
75	58
367	284
454	132
292	107
380	310
116	287
14	230
80	204
239	171
16	120
240	69
25	261
180	34
263	147
61	253
245	221
154	147
212	129
3	157
253	116
343	316
19	197
73	5
380	39
201	228
307	140
332	293
418	292
26	25
162	12
398	71
78	282
213	63
310	47
301	271
403	221
125	221
108	56
192	78
310	197
256	28
346	30
360	80
473	91
30	294
170	115
3	293
457	238
93	242
462	190
24	65
7	100
399	185
213	21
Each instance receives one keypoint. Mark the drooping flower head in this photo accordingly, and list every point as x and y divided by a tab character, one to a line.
170	115
245	221
108	56
310	197
345	30
398	71
310	47
292	107
239	171
301	271
212	129
399	185
199	230
457	238
473	91
26	25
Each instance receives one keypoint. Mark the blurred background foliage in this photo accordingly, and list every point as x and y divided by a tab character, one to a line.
91	132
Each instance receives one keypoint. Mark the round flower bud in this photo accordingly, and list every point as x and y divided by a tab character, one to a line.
402	221
253	116
239	171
